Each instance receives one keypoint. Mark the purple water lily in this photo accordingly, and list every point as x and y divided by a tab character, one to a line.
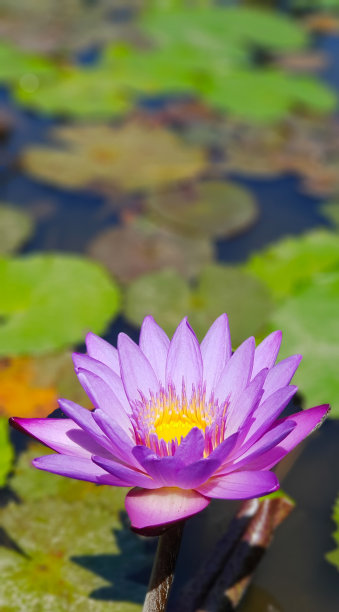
179	422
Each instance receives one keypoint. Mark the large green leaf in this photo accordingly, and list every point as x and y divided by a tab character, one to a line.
333	556
72	549
310	325
6	451
218	289
289	265
15	228
51	301
211	208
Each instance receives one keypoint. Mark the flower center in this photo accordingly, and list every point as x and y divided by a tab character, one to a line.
162	421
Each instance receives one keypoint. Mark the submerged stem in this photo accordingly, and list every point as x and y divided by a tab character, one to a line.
163	569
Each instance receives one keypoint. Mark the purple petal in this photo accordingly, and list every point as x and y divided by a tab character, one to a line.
216	349
62	435
154	343
103	351
192	447
83	362
239	410
240	485
266	414
121	443
281	375
162	507
184	362
306	421
133	478
76	467
163	470
269	440
102	396
236	374
191	476
266	352
137	373
222	451
84	418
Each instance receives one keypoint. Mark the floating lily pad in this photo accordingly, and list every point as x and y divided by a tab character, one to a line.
76	553
6	451
28	70
218	289
291	264
140	247
132	157
15	228
19	394
212	208
330	210
310	324
333	556
50	301
214	28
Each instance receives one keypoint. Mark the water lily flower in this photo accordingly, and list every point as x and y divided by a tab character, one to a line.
180	422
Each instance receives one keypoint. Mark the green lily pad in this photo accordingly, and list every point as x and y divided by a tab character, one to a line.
218	289
6	452
330	210
77	552
140	247
28	70
310	325
333	556
50	301
15	228
212	208
291	264
99	154
213	28
273	94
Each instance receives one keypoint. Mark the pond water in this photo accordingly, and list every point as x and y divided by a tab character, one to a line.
294	575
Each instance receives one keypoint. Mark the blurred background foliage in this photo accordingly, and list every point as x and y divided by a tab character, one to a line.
168	157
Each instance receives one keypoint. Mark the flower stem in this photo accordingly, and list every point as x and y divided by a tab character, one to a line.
163	569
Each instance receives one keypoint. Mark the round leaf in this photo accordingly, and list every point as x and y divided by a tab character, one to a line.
51	301
214	208
15	228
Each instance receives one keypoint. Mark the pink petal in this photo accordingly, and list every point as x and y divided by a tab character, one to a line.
306	421
154	343
238	411
281	375
184	362
266	352
102	396
62	435
112	380
160	508
76	467
137	373
133	478
103	351
216	349
240	485
236	374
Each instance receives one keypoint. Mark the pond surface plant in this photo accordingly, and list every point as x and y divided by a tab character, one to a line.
180	422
